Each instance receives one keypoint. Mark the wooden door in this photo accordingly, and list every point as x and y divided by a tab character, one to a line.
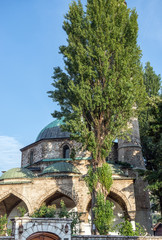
43	236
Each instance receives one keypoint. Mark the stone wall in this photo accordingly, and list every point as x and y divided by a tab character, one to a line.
50	149
40	189
6	238
99	237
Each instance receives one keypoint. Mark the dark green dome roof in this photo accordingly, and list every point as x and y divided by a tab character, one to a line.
61	167
53	130
116	169
17	173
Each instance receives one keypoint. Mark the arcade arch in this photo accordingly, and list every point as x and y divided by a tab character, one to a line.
10	206
12	199
121	206
56	197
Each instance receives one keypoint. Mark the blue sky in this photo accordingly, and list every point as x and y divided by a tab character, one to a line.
30	36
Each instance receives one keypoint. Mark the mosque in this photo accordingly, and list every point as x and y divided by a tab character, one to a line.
49	174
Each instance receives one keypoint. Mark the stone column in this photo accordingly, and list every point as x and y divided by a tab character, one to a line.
130	151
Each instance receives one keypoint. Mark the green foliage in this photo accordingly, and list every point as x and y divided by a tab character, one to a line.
105	176
73	154
102	80
74	216
22	211
91	179
45	212
103	212
125	229
51	212
102	175
151	138
3	226
140	231
150	121
103	77
63	212
151	80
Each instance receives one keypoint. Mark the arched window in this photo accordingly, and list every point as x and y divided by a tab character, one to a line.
66	151
31	157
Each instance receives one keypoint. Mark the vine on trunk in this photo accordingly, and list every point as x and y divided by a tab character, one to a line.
99	182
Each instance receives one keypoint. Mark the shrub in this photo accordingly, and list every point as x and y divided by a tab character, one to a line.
3	226
126	229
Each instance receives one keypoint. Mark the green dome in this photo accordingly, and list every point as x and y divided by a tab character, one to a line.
61	167
15	173
116	169
53	130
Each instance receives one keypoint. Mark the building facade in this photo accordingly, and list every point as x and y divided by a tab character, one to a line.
48	175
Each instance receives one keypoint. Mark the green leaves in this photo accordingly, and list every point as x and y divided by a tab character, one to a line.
45	212
125	228
151	80
103	214
22	211
4	231
103	76
105	176
50	212
102	175
151	136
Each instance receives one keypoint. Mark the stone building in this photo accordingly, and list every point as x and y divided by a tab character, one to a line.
48	174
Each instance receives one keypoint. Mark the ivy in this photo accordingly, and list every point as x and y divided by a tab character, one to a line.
103	214
99	180
105	176
102	175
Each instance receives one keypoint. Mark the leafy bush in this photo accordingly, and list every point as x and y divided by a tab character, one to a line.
74	216
22	211
51	212
3	226
126	229
45	212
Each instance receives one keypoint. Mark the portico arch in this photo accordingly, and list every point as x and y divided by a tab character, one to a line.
15	195
120	199
53	196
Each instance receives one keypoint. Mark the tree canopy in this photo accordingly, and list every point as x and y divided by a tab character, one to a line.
102	79
150	122
151	80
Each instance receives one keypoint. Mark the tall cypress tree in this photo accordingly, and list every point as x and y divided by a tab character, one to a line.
151	80
150	122
102	79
